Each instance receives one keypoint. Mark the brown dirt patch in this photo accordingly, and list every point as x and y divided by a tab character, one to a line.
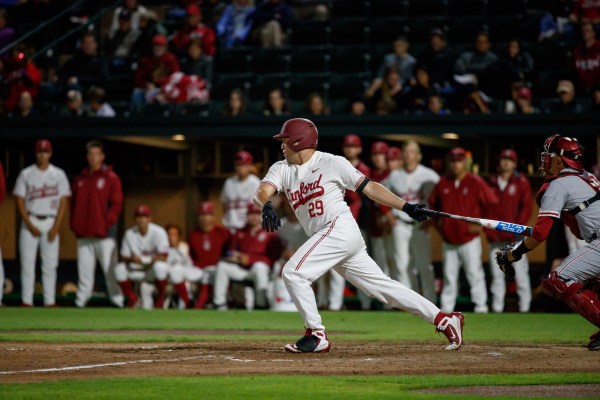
522	391
262	357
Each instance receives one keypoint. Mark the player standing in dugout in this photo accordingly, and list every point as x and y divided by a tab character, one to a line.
314	183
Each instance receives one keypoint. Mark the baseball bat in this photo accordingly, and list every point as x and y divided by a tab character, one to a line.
486	223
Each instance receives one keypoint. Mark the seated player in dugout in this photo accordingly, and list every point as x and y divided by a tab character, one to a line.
250	255
571	194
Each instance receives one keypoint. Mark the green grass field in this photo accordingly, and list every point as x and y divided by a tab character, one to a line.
67	325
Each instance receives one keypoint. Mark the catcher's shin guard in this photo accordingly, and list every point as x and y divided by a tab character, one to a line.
554	286
581	299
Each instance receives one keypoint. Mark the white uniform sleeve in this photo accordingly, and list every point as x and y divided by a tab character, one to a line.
223	196
553	200
350	177
273	177
20	186
432	178
64	188
162	242
126	250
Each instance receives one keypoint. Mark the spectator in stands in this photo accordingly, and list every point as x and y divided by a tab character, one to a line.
135	10
439	60
420	91
121	42
521	102
74	105
149	27
270	21
233	27
20	74
250	255
86	68
197	63
276	104
25	107
194	29
520	63
435	105
471	66
585	10
595	106
311	10
390	97
586	57
358	107
475	102
97	106
566	102
400	60
315	105
153	71
7	33
236	104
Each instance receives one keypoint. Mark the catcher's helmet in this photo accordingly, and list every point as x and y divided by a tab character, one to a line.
301	134
568	149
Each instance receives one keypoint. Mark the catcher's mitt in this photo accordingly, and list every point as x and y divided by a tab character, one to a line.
502	260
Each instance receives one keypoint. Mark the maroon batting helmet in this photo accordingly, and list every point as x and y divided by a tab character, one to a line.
569	150
301	134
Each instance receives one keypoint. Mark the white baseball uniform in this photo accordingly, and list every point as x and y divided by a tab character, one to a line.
42	191
181	266
235	197
154	242
315	191
412	244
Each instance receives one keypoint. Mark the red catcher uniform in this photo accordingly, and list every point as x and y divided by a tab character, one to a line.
587	64
354	199
206	249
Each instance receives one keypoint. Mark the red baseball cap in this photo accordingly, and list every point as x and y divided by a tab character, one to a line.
253	208
394	153
524	93
509	153
206	207
160	40
142	211
379	148
43	145
457	154
352	140
243	158
193	10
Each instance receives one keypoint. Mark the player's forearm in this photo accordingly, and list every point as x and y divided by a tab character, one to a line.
22	210
61	212
381	195
263	194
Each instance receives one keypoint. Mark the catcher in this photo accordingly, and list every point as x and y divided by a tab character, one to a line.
571	194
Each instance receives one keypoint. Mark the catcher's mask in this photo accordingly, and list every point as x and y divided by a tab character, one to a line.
568	149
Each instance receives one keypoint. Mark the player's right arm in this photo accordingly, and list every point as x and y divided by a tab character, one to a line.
25	217
264	192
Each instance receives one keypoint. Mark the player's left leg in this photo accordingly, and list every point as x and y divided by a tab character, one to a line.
259	273
336	291
49	256
470	253
226	271
160	271
206	286
106	253
28	248
498	284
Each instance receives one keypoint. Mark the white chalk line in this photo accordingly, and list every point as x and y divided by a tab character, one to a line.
119	363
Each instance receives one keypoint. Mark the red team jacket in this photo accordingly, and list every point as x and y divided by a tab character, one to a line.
471	197
2	185
354	199
206	249
259	246
96	202
516	200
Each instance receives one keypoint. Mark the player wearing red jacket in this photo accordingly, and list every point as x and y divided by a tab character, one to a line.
195	30
96	202
251	253
461	192
352	149
2	195
514	192
207	243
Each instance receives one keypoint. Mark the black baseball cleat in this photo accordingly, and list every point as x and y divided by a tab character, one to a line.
311	342
594	344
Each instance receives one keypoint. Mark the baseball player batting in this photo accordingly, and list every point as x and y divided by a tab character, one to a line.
571	194
314	183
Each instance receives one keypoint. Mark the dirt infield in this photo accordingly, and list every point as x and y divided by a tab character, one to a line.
31	362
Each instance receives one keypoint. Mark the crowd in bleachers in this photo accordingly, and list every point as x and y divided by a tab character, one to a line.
278	57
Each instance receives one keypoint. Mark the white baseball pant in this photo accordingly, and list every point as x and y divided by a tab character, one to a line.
331	290
28	249
469	256
378	252
582	265
412	245
498	285
226	271
137	273
339	245
179	273
88	251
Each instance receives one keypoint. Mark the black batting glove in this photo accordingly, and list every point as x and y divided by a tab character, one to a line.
415	211
270	219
